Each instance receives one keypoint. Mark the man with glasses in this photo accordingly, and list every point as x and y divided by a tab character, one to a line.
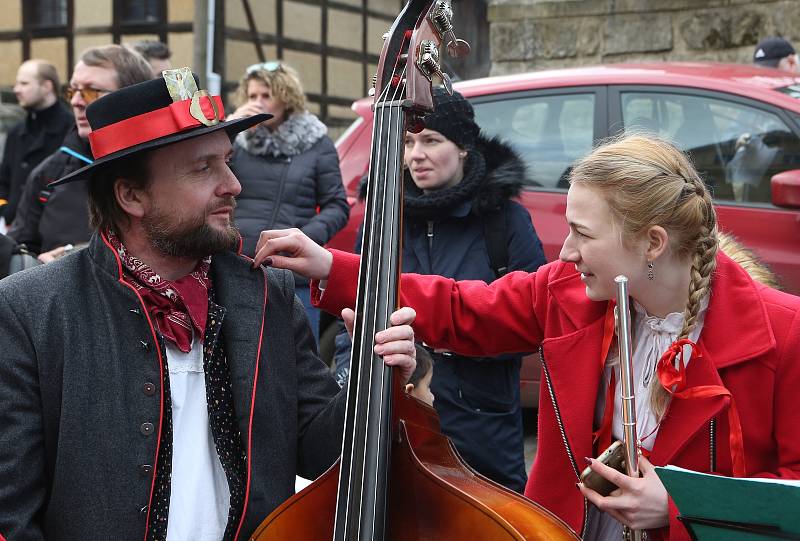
51	221
37	136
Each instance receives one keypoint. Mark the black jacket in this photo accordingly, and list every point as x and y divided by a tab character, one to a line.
303	190
51	217
28	143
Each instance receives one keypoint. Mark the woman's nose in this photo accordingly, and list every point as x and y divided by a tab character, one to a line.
414	152
568	253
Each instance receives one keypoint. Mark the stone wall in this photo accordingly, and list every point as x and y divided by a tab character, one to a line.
536	34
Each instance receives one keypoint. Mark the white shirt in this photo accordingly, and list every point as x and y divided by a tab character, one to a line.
199	497
651	337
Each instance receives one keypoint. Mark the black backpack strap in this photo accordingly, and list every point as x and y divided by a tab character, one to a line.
494	234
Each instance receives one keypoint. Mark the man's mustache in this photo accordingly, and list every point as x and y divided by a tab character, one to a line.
226	202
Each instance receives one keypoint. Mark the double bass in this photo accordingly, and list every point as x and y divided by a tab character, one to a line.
398	477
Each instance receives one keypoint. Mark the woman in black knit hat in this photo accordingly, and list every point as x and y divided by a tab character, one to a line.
458	209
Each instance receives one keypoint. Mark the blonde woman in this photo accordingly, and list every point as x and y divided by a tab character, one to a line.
287	165
635	206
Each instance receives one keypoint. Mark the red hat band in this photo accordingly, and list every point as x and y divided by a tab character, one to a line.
200	110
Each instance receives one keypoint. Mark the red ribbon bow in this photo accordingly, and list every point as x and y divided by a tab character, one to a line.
674	381
671	378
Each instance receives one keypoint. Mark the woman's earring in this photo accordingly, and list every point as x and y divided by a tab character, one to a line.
650	274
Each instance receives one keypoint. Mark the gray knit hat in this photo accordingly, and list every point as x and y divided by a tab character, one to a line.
453	117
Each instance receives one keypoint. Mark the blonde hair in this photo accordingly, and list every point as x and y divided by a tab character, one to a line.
646	182
748	260
283	83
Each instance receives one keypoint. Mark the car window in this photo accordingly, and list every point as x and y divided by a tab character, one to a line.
549	132
735	147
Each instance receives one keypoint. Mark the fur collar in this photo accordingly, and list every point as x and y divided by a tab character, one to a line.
294	136
506	174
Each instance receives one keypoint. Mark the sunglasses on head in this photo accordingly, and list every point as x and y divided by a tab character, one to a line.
264	66
88	94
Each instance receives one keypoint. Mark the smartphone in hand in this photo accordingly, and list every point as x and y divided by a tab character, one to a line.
613	457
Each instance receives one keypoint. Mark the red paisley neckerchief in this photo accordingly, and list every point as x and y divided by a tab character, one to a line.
176	306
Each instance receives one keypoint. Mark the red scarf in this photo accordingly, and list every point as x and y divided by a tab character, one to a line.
176	306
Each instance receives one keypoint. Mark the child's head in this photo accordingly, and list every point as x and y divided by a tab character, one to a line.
419	384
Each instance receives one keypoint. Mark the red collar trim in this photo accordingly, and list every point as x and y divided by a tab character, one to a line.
146	127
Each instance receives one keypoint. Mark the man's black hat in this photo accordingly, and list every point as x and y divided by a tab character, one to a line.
770	51
152	114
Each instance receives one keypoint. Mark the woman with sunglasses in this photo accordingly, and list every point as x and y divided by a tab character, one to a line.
715	354
287	166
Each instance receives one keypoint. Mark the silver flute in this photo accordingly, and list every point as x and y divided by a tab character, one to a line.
630	438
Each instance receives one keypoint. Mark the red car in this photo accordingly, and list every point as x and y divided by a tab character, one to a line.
739	123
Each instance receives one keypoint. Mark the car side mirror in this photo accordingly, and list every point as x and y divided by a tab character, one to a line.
786	189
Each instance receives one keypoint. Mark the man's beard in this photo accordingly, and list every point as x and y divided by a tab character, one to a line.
191	238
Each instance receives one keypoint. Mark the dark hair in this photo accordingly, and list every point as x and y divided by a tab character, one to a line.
130	66
104	210
424	365
150	48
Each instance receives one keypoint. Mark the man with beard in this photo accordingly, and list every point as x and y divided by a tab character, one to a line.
154	384
37	136
50	221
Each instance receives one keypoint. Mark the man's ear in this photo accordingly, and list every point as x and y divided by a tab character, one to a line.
409	387
131	199
657	242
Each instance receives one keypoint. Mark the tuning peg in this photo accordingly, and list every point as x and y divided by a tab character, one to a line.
428	63
457	48
442	18
446	82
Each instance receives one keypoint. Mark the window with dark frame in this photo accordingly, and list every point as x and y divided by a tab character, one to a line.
139	11
45	13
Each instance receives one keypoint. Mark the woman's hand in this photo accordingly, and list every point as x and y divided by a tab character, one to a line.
395	344
641	504
291	249
247	109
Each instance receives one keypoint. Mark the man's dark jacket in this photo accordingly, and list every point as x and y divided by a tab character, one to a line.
78	360
49	217
37	136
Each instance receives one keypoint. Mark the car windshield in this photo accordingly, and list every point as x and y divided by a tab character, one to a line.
791	90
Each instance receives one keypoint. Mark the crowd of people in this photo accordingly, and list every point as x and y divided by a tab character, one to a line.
154	385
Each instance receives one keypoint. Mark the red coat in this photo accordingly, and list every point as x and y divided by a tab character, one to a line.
750	343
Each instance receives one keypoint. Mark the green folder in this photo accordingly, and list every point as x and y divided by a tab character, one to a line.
716	508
